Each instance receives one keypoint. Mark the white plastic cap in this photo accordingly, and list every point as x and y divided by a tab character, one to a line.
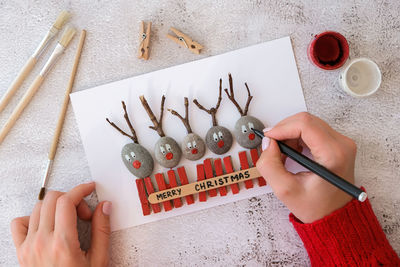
361	77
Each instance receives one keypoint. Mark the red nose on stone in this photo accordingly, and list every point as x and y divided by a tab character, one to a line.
252	136
136	164
194	151
169	156
220	143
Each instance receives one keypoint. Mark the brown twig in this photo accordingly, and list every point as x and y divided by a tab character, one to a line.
133	136
122	132
232	97
249	98
212	111
185	120
157	123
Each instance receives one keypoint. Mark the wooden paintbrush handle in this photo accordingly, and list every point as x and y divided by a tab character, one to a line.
20	107
204	185
17	82
64	107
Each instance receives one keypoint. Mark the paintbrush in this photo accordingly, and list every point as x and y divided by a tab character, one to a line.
319	170
58	24
61	118
58	51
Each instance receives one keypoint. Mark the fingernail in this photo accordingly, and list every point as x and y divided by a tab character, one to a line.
267	129
107	207
265	143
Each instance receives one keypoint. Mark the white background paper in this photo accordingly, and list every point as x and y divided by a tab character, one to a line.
268	68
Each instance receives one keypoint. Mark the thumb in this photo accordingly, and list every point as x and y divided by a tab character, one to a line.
101	231
270	165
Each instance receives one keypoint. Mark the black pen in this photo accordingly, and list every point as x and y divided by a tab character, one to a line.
318	169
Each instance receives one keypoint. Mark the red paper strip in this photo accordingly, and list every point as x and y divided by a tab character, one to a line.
150	189
184	180
220	171
254	158
200	177
210	174
172	181
162	186
229	169
143	197
244	164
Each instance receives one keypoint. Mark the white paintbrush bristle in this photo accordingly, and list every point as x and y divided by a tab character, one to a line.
61	19
67	36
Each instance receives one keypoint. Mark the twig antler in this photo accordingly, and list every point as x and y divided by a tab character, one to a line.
212	111
232	97
133	136
157	123
185	120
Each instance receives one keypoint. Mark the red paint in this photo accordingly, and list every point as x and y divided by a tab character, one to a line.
150	189
220	143
209	174
172	181
143	197
328	50
229	169
252	136
244	164
220	171
169	156
184	180
254	159
162	186
200	177
136	164
194	151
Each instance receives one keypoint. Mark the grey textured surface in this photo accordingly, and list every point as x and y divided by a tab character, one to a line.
248	232
193	146
167	152
243	131
219	139
137	160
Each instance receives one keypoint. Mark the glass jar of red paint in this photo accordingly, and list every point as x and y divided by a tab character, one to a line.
328	50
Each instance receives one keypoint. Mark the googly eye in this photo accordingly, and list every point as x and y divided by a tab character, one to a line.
127	158
194	144
133	154
215	136
168	147
220	135
244	129
251	126
189	145
162	149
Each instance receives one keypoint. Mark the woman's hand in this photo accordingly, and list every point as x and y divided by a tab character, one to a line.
306	195
49	237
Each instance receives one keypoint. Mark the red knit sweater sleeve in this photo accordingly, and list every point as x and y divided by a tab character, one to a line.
350	236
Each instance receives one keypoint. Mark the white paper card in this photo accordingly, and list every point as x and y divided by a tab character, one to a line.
268	68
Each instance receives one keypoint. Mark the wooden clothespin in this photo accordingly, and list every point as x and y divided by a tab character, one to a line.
144	47
184	40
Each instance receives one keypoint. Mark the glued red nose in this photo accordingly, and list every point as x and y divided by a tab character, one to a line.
169	156
194	151
136	164
220	143
252	136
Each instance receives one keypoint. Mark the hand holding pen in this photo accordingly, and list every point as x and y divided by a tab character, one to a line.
305	194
